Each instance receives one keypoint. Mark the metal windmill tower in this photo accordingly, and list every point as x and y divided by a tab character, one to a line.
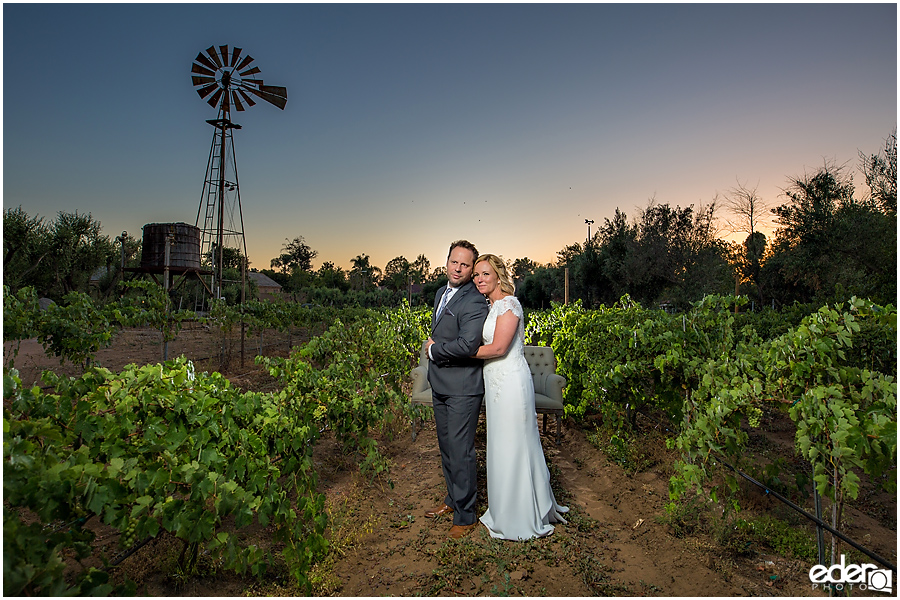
224	79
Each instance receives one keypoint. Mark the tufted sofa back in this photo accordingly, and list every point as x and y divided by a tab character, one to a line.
542	363
540	360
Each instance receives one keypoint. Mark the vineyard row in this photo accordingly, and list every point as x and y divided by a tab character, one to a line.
163	449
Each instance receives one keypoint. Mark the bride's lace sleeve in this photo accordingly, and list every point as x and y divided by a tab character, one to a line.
509	303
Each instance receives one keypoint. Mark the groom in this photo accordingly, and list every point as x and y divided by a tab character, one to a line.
457	384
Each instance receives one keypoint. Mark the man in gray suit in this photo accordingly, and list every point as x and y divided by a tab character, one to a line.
457	384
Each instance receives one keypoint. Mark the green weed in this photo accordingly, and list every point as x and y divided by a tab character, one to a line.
767	531
632	453
684	517
345	533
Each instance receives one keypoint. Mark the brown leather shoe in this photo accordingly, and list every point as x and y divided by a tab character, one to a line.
458	531
443	509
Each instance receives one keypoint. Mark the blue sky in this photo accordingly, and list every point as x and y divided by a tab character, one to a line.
408	126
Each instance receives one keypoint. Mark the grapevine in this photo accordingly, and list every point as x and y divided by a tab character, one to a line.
161	448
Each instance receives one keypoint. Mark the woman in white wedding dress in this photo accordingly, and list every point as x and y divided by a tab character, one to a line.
521	504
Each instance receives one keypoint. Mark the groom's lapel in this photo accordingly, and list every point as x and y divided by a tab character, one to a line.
452	302
437	303
466	289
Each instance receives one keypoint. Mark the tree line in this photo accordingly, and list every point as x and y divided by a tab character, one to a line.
831	241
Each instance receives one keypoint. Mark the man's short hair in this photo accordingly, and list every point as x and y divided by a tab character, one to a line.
464	244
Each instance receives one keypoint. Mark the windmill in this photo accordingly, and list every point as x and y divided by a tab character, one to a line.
225	80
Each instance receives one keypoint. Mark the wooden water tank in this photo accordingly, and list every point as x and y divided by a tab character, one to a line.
185	250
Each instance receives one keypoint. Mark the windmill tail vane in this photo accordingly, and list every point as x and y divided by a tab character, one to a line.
224	79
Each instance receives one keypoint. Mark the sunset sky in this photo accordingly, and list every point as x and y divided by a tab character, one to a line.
410	125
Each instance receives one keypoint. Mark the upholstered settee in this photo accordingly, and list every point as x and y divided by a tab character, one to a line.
548	386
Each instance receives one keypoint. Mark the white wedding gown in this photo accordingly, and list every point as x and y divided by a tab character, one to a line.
521	504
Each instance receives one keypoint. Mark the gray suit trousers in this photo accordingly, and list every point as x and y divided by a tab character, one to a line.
456	418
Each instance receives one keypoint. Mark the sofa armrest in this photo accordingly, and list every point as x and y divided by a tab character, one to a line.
552	387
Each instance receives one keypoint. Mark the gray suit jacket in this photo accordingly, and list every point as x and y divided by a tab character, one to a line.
457	335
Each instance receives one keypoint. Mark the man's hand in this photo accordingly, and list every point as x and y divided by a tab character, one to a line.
428	344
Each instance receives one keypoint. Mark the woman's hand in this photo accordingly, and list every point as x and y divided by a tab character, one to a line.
504	332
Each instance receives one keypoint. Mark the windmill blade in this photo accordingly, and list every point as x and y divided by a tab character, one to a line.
207	90
195	68
246	98
214	99
275	90
202	80
234	55
223	50
247	60
236	101
252	71
215	57
252	83
274	95
205	61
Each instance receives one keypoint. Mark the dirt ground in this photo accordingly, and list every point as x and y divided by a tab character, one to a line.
617	541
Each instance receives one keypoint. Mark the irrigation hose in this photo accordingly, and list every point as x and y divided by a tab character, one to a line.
812	517
119	558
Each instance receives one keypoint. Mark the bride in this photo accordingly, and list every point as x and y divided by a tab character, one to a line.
521	504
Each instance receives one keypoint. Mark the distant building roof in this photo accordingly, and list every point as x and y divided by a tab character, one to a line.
263	280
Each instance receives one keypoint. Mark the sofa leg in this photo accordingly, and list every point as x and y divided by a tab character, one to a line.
413	429
545	423
558	429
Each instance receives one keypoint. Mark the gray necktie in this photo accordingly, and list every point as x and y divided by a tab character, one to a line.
444	299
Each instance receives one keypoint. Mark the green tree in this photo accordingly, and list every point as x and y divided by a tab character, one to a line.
26	243
567	255
750	261
57	258
880	171
586	275
617	240
330	276
232	275
108	283
420	269
296	256
546	284
522	268
232	258
657	260
363	276
677	257
830	246
397	273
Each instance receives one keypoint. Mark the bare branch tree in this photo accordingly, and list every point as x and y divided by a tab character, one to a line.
749	210
880	171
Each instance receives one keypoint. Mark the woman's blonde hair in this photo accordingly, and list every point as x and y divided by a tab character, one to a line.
506	283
